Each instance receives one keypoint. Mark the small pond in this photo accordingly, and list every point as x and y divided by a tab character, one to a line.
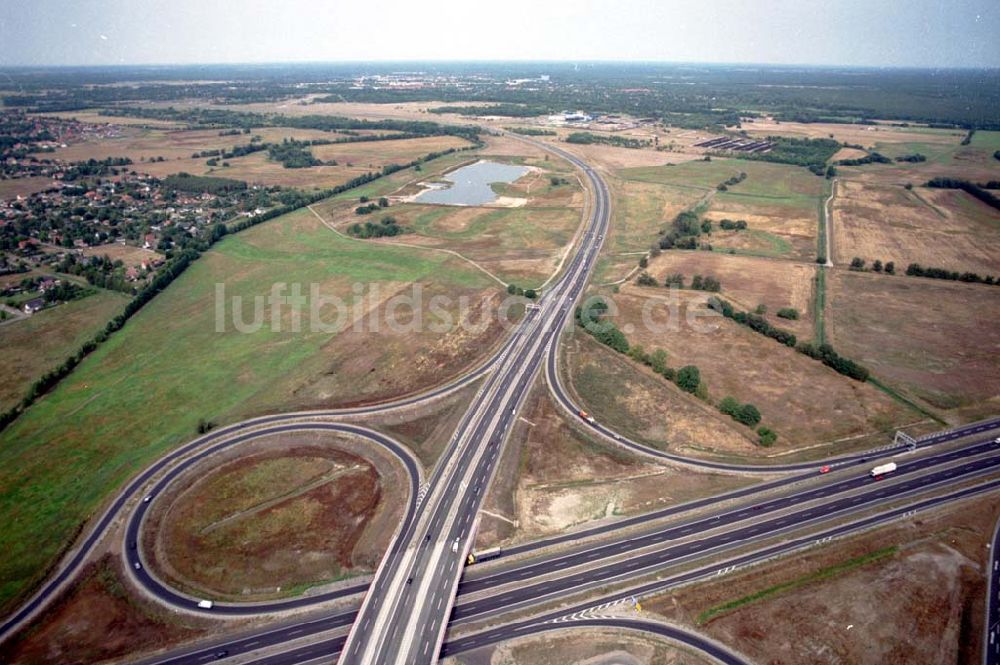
471	184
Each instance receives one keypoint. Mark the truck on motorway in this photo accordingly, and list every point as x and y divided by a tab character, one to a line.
586	416
205	604
483	555
882	469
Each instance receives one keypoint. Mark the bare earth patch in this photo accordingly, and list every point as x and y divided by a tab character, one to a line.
97	619
587	646
921	604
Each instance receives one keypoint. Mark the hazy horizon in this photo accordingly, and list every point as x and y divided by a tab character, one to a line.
851	33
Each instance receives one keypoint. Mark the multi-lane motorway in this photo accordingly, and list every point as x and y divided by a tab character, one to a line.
418	590
404	614
991	639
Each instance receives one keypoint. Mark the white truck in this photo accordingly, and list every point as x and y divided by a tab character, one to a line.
205	604
882	469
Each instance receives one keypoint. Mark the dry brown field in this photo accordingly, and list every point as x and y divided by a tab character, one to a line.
24	187
640	210
922	603
748	282
940	228
127	254
805	402
865	135
553	477
937	339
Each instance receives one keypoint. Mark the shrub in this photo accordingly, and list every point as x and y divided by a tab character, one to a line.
645	279
688	378
766	436
729	406
857	263
789	313
748	415
675	279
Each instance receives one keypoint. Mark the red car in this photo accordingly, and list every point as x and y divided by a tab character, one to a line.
825	468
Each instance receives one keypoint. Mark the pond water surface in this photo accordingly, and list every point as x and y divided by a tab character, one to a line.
471	184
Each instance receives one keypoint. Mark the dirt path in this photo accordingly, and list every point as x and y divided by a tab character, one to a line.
15	315
827	223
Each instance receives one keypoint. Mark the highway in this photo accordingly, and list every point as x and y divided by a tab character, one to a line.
404	615
991	636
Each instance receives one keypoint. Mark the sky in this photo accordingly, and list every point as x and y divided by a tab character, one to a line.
892	33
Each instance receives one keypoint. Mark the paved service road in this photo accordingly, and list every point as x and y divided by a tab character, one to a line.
991	640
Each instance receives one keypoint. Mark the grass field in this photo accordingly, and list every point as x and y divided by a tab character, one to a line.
520	245
779	203
935	339
39	343
940	228
642	209
144	390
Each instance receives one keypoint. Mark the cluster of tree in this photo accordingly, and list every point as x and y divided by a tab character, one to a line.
735	180
968	136
531	131
515	290
95	168
810	153
683	232
66	291
914	158
996	155
755	322
387	227
706	283
917	270
587	138
871	158
747	414
730	225
185	182
971	188
789	313
558	181
833	360
98	271
858	264
590	316
292	154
